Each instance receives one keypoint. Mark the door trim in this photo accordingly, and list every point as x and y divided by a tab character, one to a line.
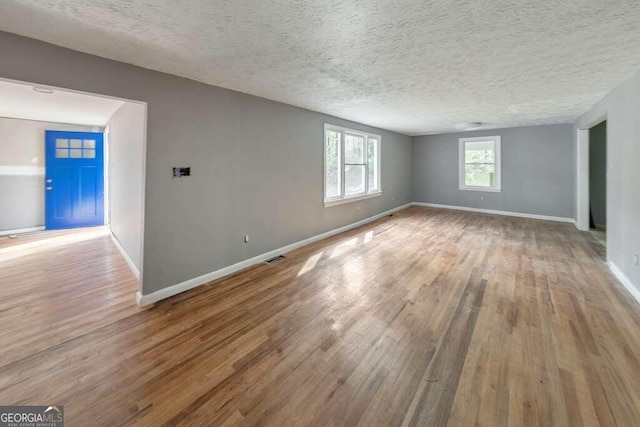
582	181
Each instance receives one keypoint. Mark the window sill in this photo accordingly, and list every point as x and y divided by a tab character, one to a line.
329	203
490	190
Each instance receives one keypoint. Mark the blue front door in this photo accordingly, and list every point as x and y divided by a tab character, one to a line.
74	179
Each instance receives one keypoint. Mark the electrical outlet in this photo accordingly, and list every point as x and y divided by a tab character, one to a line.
246	238
636	259
357	208
481	198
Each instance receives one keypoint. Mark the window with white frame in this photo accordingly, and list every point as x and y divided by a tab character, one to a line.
351	165
480	163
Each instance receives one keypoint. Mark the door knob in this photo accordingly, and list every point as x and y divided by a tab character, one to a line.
49	181
49	188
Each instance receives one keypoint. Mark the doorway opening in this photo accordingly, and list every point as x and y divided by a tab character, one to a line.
598	182
72	182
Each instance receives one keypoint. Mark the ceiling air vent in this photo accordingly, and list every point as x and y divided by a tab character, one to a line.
469	126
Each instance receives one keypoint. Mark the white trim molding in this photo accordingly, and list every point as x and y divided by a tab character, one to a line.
351	199
126	256
626	282
22	170
20	231
582	180
167	292
496	212
170	291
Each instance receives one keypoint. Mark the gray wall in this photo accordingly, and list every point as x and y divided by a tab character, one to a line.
126	163
537	171
598	173
256	164
621	108
22	171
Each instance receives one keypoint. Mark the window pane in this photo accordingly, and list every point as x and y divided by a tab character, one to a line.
353	179
479	152
353	149
62	143
332	159
89	143
479	175
89	154
62	153
372	162
76	153
76	143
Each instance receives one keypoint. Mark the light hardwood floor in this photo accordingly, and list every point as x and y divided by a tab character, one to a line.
429	317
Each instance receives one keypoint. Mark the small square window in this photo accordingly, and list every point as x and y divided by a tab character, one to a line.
62	143
76	153
89	143
62	153
76	143
89	154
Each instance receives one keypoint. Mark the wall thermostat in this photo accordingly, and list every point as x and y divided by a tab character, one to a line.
180	172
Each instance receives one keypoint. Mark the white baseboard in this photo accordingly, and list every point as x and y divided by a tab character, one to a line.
20	230
495	212
139	298
626	282
126	257
206	278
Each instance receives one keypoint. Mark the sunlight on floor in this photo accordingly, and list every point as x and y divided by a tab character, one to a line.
343	247
353	270
310	264
20	250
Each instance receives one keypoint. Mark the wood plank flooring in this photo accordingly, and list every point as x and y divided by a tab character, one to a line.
428	317
58	285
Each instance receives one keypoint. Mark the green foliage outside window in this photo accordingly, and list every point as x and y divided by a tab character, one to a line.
479	168
333	164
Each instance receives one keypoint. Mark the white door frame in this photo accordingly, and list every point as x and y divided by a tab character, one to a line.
582	181
107	194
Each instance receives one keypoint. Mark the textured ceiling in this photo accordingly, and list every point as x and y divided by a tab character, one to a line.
414	66
20	101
